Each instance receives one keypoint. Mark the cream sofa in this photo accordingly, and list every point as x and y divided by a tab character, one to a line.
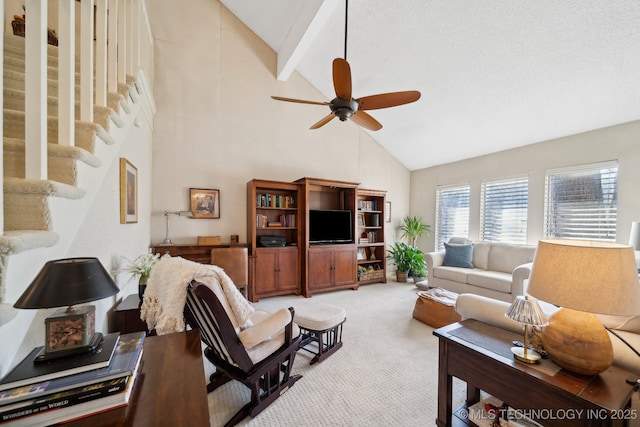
492	311
499	270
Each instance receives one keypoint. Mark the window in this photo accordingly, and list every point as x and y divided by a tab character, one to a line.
452	213
581	203
503	211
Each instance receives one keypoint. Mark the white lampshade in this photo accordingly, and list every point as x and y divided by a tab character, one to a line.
526	310
591	276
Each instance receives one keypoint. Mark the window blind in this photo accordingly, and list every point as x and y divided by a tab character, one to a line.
452	213
581	203
503	211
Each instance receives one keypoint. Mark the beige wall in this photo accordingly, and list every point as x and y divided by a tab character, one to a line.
218	128
621	143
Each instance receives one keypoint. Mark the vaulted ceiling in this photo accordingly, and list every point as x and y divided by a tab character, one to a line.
494	74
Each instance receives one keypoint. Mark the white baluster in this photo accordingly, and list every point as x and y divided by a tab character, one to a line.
66	71
36	89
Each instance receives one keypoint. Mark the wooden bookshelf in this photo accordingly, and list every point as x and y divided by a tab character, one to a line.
370	236
273	210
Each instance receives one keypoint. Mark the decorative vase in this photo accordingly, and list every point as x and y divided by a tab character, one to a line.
142	286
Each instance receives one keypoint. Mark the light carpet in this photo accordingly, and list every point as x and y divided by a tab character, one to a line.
385	374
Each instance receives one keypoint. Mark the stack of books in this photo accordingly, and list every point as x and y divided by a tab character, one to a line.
64	389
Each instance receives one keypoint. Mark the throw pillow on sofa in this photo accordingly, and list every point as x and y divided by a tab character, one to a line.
458	255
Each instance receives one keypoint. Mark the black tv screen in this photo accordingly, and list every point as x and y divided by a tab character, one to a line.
330	226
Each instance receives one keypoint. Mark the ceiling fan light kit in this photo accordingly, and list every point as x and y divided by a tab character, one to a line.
344	106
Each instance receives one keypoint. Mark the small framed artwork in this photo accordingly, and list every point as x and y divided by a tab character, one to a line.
360	222
204	203
362	253
128	192
387	211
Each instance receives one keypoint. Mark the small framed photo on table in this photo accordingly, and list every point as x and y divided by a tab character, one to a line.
204	203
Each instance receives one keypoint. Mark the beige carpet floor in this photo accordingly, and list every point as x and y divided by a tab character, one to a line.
384	375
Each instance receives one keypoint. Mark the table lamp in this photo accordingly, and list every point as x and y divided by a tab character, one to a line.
66	282
527	311
583	277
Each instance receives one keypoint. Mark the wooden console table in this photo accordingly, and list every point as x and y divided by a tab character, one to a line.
480	355
196	253
170	390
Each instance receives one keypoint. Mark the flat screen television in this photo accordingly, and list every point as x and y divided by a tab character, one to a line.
330	226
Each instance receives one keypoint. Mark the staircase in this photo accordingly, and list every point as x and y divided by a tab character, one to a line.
37	222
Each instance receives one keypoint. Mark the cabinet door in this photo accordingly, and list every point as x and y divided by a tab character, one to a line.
344	266
320	268
288	274
266	266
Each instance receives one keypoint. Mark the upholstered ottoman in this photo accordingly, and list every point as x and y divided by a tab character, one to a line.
436	307
322	324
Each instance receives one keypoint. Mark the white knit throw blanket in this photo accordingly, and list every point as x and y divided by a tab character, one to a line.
166	294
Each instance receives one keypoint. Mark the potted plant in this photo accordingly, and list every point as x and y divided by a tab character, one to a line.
398	255
405	258
412	228
141	268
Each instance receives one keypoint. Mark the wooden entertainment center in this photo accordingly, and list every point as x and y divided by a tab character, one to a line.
287	261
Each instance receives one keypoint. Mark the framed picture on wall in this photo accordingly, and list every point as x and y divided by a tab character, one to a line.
128	192
204	203
387	211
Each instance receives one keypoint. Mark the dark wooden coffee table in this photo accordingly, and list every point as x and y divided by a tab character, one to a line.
480	355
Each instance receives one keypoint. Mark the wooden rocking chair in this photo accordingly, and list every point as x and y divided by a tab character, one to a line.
260	357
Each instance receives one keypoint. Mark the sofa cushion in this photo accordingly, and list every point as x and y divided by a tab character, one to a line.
494	280
456	274
481	255
458	255
505	258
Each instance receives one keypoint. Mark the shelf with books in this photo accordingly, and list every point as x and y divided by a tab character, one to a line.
273	209
371	236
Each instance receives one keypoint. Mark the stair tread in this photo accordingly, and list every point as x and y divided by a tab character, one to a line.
16	241
55	149
42	187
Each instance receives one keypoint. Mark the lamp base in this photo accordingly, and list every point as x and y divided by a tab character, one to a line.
577	341
95	341
528	357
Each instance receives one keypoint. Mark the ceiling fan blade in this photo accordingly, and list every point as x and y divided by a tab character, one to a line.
323	122
366	121
342	78
385	100
300	101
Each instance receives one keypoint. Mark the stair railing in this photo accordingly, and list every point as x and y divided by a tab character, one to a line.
121	46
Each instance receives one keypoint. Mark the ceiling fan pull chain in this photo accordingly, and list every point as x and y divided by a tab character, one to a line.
346	14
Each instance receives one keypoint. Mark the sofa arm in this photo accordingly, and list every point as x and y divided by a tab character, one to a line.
486	310
518	277
433	259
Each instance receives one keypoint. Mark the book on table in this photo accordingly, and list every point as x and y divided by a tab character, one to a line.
123	364
58	413
67	398
28	372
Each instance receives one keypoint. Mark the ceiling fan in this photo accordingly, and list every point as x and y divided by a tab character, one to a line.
344	106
